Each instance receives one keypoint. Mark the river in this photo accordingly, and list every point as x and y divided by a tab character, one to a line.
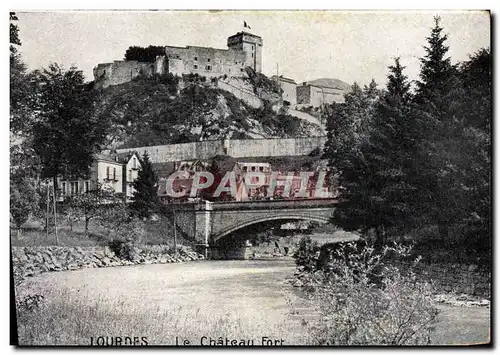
246	296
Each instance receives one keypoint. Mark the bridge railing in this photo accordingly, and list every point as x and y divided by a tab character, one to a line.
252	204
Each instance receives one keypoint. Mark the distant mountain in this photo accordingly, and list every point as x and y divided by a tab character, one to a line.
333	83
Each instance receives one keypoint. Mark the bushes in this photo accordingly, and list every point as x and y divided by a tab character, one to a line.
366	301
124	249
307	254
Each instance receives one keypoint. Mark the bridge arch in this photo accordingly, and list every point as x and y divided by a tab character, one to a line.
235	227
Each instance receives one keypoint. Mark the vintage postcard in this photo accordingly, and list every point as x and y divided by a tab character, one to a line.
250	178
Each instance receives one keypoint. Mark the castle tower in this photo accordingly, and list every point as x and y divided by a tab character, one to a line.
250	44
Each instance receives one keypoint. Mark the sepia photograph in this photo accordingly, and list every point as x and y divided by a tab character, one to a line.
250	178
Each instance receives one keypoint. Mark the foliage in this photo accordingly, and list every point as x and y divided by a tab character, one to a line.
14	30
145	199
144	54
124	249
306	254
393	308
170	81
66	134
348	130
194	78
260	82
89	205
404	162
24	200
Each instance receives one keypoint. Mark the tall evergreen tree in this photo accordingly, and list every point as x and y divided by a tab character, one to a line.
438	107
389	156
145	200
435	67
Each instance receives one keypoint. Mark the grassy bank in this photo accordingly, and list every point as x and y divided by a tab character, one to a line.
72	317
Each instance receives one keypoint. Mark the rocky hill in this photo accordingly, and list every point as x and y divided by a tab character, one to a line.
166	110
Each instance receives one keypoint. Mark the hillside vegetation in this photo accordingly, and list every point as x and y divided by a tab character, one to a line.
167	110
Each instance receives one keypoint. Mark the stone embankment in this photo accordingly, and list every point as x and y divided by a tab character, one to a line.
31	261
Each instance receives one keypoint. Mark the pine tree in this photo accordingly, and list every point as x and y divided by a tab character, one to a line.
389	156
435	67
145	199
438	108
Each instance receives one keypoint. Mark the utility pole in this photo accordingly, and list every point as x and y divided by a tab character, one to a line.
175	229
55	212
47	214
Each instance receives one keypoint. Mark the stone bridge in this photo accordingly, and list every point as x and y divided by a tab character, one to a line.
206	222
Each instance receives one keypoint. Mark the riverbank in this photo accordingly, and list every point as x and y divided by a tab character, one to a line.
235	299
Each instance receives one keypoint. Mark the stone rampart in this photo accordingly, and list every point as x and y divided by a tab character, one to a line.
237	148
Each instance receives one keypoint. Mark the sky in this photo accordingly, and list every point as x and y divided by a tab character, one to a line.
351	46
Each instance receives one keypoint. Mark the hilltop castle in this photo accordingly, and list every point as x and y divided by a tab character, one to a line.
244	50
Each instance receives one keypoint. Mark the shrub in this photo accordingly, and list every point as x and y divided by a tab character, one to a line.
124	249
393	308
306	255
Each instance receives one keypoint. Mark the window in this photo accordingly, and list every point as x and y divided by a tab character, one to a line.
241	69
114	173
195	66
87	186
74	187
63	189
252	55
134	161
208	60
130	175
208	67
195	58
107	172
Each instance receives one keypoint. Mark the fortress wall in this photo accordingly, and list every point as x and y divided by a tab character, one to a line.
221	61
245	95
289	92
238	148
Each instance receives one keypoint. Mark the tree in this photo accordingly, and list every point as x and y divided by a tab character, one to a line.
67	133
435	67
144	54
348	129
89	205
22	158
439	104
387	158
14	30
145	199
24	199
